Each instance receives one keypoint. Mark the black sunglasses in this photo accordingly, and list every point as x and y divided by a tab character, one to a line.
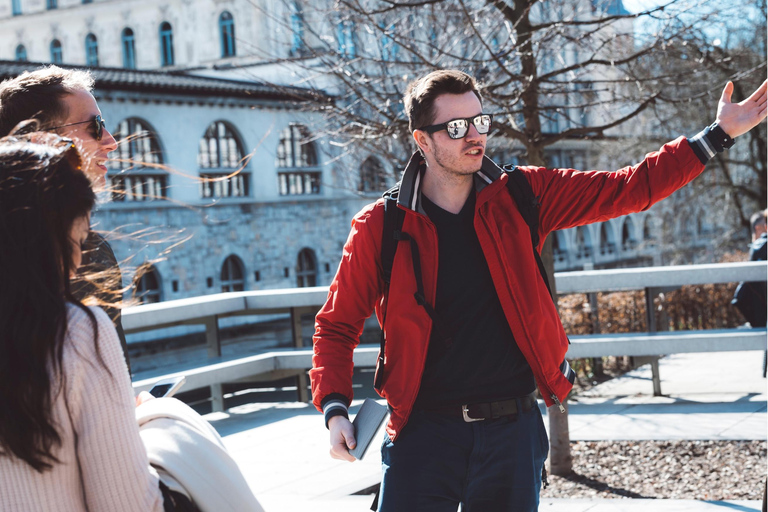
97	123
458	128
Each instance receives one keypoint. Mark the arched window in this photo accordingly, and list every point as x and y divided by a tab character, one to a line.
607	240
669	234
21	53
147	285
559	246
227	29
649	235
166	44
57	55
297	164
16	7
583	243
297	28
389	48
306	269
129	48
232	274
345	33
221	151
91	51
628	240
51	4
373	177
137	158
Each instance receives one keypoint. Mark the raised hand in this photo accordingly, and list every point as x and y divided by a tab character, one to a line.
738	118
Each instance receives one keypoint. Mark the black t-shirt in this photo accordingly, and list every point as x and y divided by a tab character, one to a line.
480	361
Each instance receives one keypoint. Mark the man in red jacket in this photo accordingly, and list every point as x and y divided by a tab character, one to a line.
465	353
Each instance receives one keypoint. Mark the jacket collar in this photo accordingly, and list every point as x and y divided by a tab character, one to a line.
410	186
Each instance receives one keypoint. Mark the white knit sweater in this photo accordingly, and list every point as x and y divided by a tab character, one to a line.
103	464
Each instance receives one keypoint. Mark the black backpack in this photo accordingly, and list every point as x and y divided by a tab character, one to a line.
528	205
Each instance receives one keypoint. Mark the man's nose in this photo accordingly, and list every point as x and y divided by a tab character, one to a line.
473	134
108	141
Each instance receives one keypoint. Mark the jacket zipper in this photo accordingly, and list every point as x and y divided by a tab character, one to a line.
553	396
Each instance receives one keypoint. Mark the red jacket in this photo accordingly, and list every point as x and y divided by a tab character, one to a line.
568	198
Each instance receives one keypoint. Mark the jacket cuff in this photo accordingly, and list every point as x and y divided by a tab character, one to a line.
334	404
710	141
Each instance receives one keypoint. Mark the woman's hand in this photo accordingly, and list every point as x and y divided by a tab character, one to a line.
143	397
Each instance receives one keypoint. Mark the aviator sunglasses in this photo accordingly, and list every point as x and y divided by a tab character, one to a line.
458	128
97	123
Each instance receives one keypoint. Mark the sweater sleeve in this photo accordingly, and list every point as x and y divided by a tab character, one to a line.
112	459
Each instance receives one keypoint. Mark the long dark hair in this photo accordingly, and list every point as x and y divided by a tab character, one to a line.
42	192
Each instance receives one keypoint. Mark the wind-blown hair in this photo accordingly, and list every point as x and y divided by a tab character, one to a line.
42	193
38	95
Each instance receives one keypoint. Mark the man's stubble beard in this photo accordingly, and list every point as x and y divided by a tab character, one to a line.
451	170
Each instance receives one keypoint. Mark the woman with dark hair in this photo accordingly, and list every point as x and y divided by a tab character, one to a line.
68	434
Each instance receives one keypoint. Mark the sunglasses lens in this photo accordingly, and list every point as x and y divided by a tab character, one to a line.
98	126
482	123
457	129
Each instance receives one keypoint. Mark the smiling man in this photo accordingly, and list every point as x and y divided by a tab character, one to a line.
61	100
470	329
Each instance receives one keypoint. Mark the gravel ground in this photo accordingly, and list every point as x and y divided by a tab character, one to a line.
697	470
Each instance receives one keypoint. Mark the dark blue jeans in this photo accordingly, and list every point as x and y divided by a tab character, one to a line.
439	462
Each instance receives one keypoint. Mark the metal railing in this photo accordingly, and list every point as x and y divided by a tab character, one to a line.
207	310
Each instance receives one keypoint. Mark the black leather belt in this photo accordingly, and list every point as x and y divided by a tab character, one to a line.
488	410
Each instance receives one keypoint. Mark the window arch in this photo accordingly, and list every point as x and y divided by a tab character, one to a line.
297	163
389	48
628	240
232	274
297	28
147	289
559	246
648	231
607	240
583	243
345	33
668	229
21	53
220	149
57	54
373	177
306	269
128	43
137	156
166	44
91	51
227	30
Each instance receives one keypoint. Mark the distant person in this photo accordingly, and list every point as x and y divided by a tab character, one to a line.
62	101
470	328
750	297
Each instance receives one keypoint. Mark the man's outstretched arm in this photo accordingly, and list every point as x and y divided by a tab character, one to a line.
738	118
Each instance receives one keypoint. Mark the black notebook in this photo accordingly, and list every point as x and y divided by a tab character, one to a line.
367	422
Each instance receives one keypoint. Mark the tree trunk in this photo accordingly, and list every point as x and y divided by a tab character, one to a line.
560	460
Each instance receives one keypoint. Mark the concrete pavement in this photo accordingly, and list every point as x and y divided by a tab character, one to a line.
283	448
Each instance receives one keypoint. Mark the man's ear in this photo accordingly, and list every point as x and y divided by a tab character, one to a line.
422	140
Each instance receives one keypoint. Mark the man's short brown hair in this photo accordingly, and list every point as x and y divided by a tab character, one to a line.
420	96
38	94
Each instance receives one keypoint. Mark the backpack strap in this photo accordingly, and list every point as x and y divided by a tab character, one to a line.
528	205
391	235
393	224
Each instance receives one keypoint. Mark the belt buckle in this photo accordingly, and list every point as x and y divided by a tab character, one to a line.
467	419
